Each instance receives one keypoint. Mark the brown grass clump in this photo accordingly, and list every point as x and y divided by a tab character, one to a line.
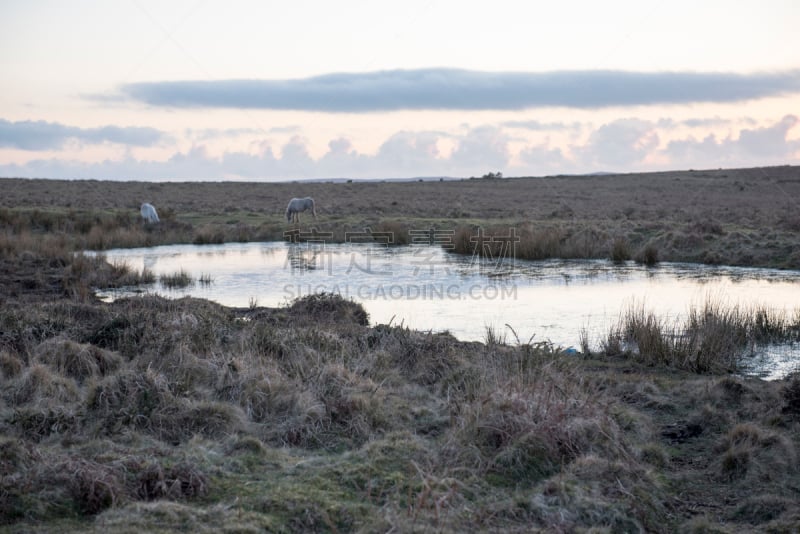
15	454
145	401
270	395
648	255
94	487
209	235
428	359
392	233
129	398
37	422
10	364
620	250
77	360
329	307
529	428
38	384
749	450
181	481
354	405
713	338
176	280
214	420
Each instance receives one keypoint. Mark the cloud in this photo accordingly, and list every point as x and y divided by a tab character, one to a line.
620	143
485	147
404	154
769	141
42	135
410	152
629	144
342	160
457	89
767	145
542	160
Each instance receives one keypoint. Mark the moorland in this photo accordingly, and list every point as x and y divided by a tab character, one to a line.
154	415
747	217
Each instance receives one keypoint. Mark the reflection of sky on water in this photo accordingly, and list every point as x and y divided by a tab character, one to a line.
426	288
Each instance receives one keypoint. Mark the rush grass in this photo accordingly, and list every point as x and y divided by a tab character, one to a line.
177	280
714	337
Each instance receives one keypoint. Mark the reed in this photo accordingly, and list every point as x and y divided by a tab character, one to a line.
620	250
713	337
177	280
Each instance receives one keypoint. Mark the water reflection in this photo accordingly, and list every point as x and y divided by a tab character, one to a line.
302	258
426	288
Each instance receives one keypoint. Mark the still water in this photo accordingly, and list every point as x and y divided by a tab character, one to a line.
426	288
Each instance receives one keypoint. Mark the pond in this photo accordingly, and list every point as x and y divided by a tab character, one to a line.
426	288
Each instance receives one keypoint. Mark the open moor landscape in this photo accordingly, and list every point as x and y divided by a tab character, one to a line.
148	414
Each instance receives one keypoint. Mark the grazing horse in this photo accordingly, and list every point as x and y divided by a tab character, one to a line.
296	205
149	213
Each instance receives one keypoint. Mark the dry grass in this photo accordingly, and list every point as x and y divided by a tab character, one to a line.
304	418
712	338
176	280
731	216
157	415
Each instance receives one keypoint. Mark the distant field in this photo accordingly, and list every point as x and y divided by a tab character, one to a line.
736	216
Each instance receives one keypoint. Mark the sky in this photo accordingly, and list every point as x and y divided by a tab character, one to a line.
275	91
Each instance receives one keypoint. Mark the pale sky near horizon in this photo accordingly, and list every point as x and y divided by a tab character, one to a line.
245	90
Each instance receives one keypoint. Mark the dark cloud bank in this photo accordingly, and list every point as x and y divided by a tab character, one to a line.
455	89
43	135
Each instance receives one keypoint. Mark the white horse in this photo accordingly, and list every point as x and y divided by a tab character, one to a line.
149	213
296	205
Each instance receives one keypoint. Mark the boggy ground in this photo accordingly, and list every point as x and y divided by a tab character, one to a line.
155	415
731	216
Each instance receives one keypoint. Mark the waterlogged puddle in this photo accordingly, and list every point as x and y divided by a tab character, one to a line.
426	288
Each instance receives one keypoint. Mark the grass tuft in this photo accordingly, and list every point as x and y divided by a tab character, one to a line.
176	280
329	307
181	481
648	255
712	338
620	250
